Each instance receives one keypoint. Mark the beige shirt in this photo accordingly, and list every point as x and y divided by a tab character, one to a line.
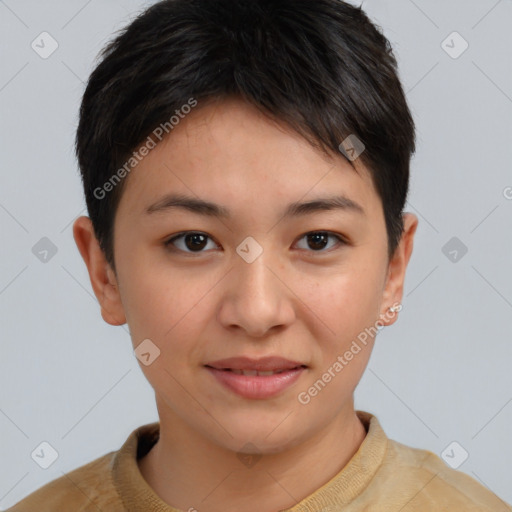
382	476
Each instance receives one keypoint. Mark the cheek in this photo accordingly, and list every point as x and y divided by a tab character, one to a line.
163	310
169	308
344	302
148	307
346	307
154	295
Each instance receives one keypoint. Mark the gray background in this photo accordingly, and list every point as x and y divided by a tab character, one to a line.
440	374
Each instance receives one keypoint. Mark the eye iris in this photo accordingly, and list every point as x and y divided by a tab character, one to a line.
199	241
315	238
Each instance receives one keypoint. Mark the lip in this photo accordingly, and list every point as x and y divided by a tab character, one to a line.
270	363
257	387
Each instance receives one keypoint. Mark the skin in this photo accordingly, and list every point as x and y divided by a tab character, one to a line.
296	300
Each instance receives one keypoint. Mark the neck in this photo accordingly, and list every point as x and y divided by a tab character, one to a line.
188	471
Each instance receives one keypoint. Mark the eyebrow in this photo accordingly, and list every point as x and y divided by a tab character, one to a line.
297	209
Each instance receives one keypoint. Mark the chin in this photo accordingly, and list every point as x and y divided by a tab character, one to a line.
269	437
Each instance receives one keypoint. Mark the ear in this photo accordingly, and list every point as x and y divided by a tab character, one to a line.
394	285
103	279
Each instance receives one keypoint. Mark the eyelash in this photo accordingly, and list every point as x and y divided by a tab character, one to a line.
169	242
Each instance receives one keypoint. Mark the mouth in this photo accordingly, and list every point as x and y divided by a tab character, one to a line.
244	365
259	373
256	378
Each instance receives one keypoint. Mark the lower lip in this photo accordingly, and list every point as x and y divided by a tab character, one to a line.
255	386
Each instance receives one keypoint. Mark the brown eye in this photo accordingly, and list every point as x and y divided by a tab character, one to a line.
190	241
317	241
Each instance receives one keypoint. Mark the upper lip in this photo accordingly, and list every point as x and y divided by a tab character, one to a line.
246	363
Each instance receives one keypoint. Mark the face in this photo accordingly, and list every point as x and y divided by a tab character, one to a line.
261	279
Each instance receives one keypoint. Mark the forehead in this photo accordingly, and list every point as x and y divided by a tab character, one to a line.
230	153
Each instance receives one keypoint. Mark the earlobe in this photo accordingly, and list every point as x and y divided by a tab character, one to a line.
102	277
393	291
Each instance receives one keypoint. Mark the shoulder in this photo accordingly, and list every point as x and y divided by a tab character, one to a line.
428	484
84	489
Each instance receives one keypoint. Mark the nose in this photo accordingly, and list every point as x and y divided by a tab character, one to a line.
257	298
